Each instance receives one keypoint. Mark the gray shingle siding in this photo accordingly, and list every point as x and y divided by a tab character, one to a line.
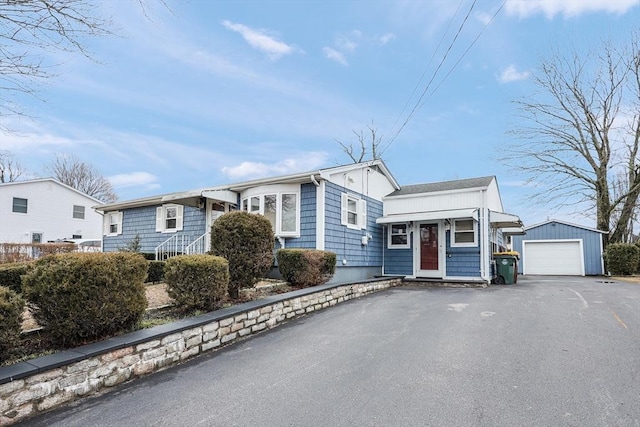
462	262
591	242
142	221
308	221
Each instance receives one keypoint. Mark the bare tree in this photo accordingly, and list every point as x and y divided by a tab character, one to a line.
580	130
10	168
374	144
83	177
31	29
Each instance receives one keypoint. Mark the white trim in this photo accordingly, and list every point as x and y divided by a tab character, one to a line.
360	211
106	223
320	215
279	191
474	224
429	216
524	251
442	268
161	218
390	235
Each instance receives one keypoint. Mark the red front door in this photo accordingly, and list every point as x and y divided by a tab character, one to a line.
429	247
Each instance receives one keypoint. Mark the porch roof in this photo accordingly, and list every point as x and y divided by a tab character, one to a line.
428	216
504	220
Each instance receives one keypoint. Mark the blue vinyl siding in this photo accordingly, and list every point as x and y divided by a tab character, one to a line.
462	262
591	242
142	221
397	262
308	223
347	242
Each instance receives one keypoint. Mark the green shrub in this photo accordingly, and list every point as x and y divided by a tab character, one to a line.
11	308
155	271
306	267
246	241
79	297
148	256
197	281
11	275
622	258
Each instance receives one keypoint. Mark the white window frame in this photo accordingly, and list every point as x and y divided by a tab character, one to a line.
279	192
77	209
26	205
390	235
112	219
161	218
360	212
454	232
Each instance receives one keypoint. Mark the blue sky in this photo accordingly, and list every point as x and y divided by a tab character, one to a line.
212	92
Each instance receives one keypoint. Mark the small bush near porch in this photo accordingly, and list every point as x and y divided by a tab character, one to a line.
306	267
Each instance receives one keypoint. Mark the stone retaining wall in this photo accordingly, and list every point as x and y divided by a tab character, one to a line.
38	385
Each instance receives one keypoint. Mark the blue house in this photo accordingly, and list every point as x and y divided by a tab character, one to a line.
560	248
333	209
443	230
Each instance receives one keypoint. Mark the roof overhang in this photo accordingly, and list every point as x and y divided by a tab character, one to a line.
428	216
504	220
513	231
221	195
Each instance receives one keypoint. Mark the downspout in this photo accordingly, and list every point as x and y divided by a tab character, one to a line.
482	217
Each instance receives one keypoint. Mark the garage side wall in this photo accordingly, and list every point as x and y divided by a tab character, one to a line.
591	243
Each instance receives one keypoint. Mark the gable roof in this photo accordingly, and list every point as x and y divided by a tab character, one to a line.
301	177
549	221
460	184
53	180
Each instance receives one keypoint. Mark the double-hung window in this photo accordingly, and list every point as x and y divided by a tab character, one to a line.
20	205
169	218
78	212
282	209
112	223
464	233
354	212
398	236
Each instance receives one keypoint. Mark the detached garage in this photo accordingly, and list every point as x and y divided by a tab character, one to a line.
560	249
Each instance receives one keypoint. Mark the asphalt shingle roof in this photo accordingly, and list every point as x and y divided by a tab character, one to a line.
432	187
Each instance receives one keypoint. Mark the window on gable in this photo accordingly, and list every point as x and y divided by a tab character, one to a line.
78	212
354	212
464	232
398	236
112	223
20	205
169	218
281	209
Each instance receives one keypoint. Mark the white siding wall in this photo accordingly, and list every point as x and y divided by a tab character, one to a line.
50	212
494	202
371	183
433	202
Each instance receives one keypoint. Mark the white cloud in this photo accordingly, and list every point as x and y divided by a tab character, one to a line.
349	42
260	40
134	179
387	38
250	170
567	8
511	74
335	56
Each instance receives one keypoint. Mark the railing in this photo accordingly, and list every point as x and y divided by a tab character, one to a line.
198	246
174	245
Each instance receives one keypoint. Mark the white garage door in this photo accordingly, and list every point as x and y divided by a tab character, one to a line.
557	257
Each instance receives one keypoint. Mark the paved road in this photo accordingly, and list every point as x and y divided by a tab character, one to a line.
545	352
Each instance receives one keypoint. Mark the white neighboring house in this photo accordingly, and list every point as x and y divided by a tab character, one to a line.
44	210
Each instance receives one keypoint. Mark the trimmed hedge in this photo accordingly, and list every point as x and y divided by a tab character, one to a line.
11	308
197	281
246	241
155	271
622	258
80	297
11	275
306	267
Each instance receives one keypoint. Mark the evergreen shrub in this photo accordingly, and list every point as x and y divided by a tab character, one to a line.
155	271
11	275
246	241
306	267
622	258
197	281
11	308
80	297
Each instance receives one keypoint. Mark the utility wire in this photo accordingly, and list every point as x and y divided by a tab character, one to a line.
420	103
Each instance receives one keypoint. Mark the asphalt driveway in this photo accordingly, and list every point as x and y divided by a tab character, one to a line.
549	351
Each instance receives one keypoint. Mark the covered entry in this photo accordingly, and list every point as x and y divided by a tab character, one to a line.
553	257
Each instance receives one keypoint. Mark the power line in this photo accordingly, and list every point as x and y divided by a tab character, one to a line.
420	103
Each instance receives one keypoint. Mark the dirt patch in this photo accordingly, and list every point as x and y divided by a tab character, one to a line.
629	279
